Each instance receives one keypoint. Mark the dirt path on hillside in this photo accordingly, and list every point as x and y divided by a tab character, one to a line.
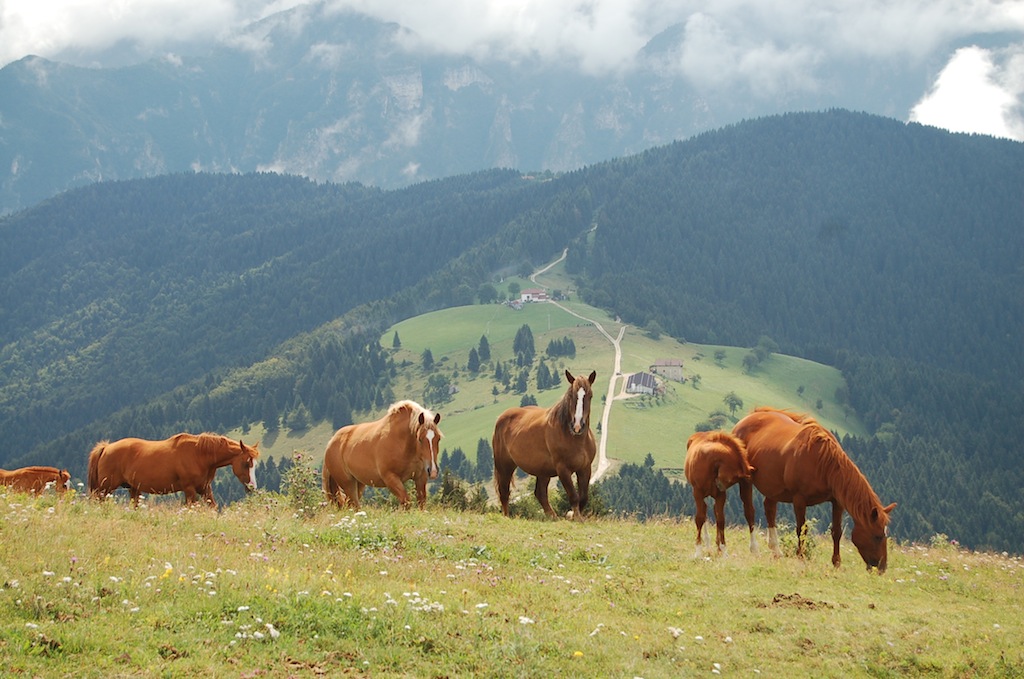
616	373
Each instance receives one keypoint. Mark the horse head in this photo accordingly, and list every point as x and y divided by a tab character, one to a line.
871	537
580	394
243	464
732	466
428	440
65	481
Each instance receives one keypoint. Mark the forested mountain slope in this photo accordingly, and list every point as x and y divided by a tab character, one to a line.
891	251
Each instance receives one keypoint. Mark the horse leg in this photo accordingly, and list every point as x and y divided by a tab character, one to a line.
720	521
770	509
421	490
747	497
540	491
699	517
331	488
837	531
353	492
575	499
800	511
583	481
397	488
502	484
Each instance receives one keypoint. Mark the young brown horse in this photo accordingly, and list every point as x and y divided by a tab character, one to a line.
801	462
384	453
35	479
545	443
715	460
185	462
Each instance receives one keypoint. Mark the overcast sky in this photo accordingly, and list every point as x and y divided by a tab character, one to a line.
977	46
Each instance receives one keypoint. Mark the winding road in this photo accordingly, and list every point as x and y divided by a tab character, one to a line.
602	445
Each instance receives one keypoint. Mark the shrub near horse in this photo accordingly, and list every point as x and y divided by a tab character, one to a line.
184	462
384	453
545	443
715	461
35	479
800	462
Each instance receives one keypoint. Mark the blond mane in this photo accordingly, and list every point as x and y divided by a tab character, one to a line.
413	408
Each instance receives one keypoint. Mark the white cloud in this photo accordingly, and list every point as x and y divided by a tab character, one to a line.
980	91
759	47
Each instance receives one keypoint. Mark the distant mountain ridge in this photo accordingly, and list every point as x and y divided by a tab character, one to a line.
339	97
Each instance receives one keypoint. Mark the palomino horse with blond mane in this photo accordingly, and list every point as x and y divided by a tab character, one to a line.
800	462
185	462
548	442
716	460
35	479
385	453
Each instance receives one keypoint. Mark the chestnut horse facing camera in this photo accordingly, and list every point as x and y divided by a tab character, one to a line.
716	460
385	453
800	462
35	479
184	462
548	442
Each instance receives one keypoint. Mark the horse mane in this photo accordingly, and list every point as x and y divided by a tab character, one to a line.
208	443
562	411
731	442
414	409
849	484
799	418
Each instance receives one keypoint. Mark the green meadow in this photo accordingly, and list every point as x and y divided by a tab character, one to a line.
263	589
638	424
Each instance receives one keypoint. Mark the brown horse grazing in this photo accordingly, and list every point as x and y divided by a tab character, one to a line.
715	460
35	479
545	443
801	462
185	462
384	453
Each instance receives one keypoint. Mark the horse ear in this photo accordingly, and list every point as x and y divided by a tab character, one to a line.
889	508
422	417
593	376
437	417
568	376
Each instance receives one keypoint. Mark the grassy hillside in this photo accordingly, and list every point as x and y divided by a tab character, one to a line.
260	590
638	425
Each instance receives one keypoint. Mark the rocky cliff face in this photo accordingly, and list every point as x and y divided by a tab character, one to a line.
340	97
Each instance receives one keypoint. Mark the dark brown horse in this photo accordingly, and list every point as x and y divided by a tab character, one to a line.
184	462
801	462
548	442
35	479
715	460
384	453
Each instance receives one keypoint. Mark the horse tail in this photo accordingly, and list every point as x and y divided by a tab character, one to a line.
93	477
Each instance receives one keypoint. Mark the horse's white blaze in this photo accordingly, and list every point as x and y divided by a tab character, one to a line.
577	422
431	466
252	475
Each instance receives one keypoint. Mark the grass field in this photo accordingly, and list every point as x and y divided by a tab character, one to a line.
262	590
